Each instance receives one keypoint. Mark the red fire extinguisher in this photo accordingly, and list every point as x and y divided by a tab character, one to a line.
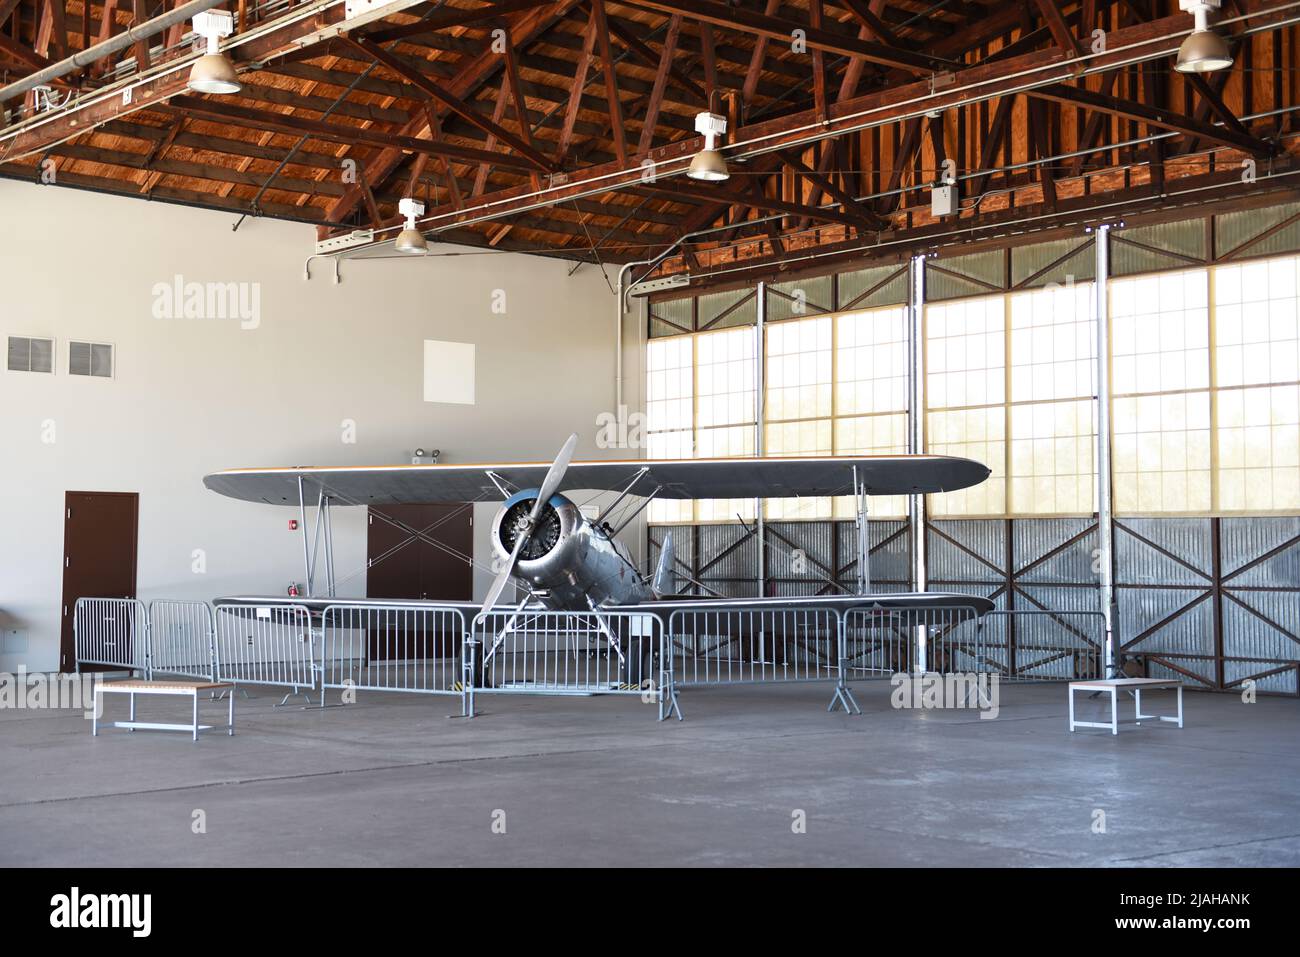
293	589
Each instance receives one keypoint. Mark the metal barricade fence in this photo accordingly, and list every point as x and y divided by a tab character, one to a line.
954	641
377	647
1044	645
752	645
580	653
113	632
265	645
182	639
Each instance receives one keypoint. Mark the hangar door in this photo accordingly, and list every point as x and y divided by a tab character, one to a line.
398	566
99	555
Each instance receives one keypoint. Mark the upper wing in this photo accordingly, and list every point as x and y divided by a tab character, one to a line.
675	478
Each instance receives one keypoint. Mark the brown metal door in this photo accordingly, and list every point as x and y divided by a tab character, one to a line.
99	555
444	574
418	570
393	573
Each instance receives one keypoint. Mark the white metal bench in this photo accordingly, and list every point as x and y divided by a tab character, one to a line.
1113	686
137	686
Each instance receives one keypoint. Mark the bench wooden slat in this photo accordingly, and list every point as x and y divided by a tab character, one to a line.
141	684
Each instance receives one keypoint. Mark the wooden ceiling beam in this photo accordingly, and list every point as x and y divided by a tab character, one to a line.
1154	39
651	119
524	27
848	204
617	133
642	52
78	119
1061	33
451	102
22	54
781	30
1152	116
757	57
216	111
451	17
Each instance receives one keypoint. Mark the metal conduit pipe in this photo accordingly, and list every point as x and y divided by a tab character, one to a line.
84	58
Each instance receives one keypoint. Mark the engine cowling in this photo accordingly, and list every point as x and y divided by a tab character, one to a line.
566	558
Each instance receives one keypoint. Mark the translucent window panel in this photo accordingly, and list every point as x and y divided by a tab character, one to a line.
678	444
669	384
1160	333
978	434
724	377
1162	453
724	442
965	353
871	435
798	509
665	511
871	361
1259	449
1053	343
1052	452
799	438
724	509
1256	332
798	374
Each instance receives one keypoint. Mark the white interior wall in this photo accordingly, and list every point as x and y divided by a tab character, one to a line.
191	396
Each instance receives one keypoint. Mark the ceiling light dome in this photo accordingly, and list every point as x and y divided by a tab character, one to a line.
410	240
213	72
708	164
1204	51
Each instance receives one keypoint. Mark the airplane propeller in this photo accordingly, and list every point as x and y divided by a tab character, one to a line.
550	485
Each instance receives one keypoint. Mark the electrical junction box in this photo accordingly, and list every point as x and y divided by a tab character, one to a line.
943	200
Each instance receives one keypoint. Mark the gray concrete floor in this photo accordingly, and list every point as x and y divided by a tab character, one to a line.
592	781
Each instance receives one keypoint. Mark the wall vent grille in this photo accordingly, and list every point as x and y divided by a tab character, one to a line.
30	355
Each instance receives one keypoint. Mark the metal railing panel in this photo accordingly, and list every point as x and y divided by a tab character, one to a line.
1044	645
886	641
112	632
582	653
182	639
752	646
265	645
378	647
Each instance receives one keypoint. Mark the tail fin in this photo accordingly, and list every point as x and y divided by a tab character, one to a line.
665	581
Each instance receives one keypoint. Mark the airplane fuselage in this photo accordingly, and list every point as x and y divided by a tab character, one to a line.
570	563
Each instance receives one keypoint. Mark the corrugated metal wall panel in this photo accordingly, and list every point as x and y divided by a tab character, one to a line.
1167	614
731	571
1150	551
1079	262
667	317
853	286
1055	549
1232	230
947	280
1247	539
954	549
1283	683
722	310
1246	633
1188	628
1185	237
800	298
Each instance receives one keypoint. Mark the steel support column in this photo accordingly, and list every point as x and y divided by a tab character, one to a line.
302	519
1105	532
759	418
916	430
